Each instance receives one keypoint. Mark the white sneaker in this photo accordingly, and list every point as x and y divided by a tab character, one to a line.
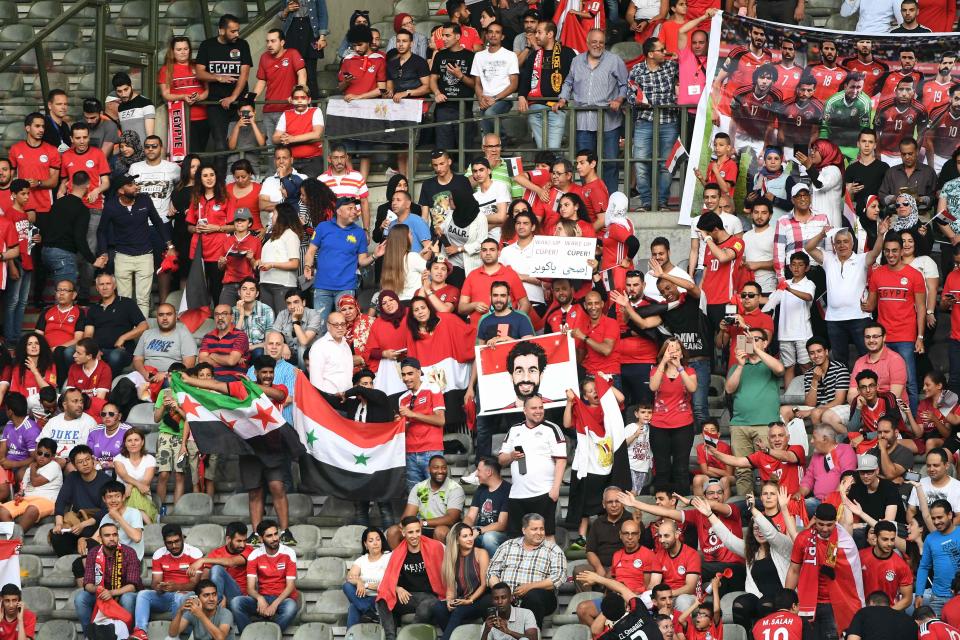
471	478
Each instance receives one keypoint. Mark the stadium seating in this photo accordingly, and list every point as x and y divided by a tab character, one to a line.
261	631
61	575
31	570
572	632
365	631
569	615
57	630
417	632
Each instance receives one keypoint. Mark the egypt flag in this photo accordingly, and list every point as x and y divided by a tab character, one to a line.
195	302
345	458
10	562
838	559
244	422
445	355
677	153
372	120
600	436
849	211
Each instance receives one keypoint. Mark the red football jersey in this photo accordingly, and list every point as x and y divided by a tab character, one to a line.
943	128
9	628
786	474
92	162
677	568
595	196
935	94
420	435
238	573
799	123
829	80
754	114
740	64
889	87
272	572
872	71
631	569
884	574
35	163
717	282
787	79
573	318
99	379
895	121
952	285
938	630
710	461
367	71
174	568
895	301
710	545
779	625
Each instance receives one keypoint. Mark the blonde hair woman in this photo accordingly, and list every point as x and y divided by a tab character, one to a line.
464	569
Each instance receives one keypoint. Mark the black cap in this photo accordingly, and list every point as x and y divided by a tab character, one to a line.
126	179
410	362
346	200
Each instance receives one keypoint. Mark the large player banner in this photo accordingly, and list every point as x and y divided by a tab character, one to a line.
775	84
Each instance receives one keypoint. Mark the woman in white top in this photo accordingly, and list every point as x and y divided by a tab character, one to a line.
279	261
461	233
927	268
135	468
402	267
825	167
365	575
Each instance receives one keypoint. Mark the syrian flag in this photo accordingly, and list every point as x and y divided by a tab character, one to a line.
345	458
514	166
195	302
372	120
244	422
677	153
10	562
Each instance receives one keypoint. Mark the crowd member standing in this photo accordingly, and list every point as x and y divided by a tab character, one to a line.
135	112
278	71
210	219
362	76
541	77
224	63
178	81
82	158
301	128
347	183
450	78
36	162
495	71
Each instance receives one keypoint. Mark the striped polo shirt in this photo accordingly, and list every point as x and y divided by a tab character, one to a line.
232	340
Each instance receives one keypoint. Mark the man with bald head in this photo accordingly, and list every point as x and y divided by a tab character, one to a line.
331	360
283	372
225	348
597	342
158	348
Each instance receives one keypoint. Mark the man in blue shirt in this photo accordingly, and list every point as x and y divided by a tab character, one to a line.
400	205
344	246
941	554
502	323
125	230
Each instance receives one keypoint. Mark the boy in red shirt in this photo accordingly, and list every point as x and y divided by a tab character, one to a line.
594	190
722	259
17	621
703	621
724	169
710	466
243	250
19	270
884	569
271	582
426	414
81	157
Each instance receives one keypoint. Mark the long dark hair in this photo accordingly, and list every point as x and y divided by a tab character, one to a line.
579	204
320	200
44	360
199	192
413	325
287	218
185	176
508	230
384	547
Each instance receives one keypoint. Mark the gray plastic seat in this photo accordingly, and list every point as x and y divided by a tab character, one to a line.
67	611
61	575
323	573
157	629
151	441
314	631
40	600
164	33
31	570
821	8
38	545
331	607
726	605
41	12
627	50
416	8
570	632
836	22
368	631
261	631
14	35
55	80
197	34
181	13
141	415
299	504
113	30
569	615
734	632
78	60
309	539
57	630
133	13
427	26
417	632
236	507
190	508
11	86
204	329
205	537
63	37
467	632
345	543
8	12
152	539
236	8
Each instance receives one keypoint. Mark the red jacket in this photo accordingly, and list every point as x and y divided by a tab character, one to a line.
432	552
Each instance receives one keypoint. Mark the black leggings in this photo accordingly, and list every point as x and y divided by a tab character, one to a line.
671	451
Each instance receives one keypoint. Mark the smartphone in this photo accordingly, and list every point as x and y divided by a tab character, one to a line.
202	221
491	612
742	343
748	345
522	462
503	330
803	148
729	311
911	476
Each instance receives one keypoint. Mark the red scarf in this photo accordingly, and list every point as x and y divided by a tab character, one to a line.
839	554
432	552
109	609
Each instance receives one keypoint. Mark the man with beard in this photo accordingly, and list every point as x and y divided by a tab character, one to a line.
828	74
660	254
737	71
638	352
886	571
845	114
450	78
561	182
898	118
501	323
798	119
940	138
476	290
526	42
157	178
938	557
271	582
111	573
565	314
459	14
864	62
436	501
170	583
225	347
908	69
226	566
936	91
753	110
788	71
864	176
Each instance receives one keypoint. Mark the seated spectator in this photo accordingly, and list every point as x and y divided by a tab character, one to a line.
825	386
17	443
884	569
283	372
49	406
937	484
135	467
158	348
935	405
365	576
169	579
894	458
704	620
79	506
62	324
532	566
634	566
111	572
70	428
663	497
128	519
17	621
616	621
271	582
33	368
712	468
882	360
90	373
603	536
436	502
226	566
681	564
880	620
252	316
866	410
115	323
877	497
464	570
202	617
40	488
413	580
821	477
225	347
508	622
488	513
107	439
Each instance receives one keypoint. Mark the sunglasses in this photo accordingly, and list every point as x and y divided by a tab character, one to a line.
151	146
44	454
749	295
107	414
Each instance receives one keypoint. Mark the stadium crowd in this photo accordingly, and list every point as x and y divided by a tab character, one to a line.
803	501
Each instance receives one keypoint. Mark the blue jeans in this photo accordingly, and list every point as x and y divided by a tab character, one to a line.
905	349
245	607
324	301
953	352
83	602
491	540
841	333
417	466
555	124
118	359
358	605
611	154
14	305
701	398
227	587
936	602
60	264
449	620
497	108
643	149
151	601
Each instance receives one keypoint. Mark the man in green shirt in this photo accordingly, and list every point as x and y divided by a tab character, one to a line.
754	383
845	114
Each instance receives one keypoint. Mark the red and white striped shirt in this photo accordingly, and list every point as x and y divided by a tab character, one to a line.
350	185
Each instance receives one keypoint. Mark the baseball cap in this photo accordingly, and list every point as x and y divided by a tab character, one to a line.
126	179
410	362
797	188
345	200
867	462
243	214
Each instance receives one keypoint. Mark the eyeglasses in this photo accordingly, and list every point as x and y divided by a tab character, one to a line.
749	295
64	290
559	173
337	325
107	414
437	153
151	146
492	146
873	337
44	454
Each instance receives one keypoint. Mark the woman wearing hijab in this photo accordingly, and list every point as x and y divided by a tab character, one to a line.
460	235
131	150
869	218
359	16
404	21
907	218
388	335
825	167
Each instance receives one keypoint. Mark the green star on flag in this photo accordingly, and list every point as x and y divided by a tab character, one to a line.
361	459
312	436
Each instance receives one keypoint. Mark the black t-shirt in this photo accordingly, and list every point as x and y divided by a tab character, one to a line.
882	623
65	226
870	176
113	321
449	84
439	197
638	624
688	324
223	59
917	29
413	574
490	503
874	504
56	134
406	76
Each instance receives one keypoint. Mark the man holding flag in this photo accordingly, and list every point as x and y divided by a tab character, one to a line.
825	570
111	574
